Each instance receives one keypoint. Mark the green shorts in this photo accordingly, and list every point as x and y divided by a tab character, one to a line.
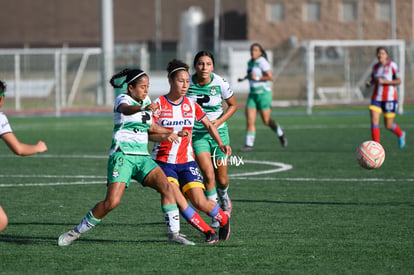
260	102
203	142
123	167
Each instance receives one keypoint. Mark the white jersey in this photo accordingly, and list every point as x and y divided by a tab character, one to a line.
4	125
258	67
130	133
210	97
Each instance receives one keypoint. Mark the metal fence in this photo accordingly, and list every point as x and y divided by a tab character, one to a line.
51	78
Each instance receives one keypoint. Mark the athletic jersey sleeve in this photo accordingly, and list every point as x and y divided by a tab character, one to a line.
264	64
4	125
226	91
395	71
121	99
199	113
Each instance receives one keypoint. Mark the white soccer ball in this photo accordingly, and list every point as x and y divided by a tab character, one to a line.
370	154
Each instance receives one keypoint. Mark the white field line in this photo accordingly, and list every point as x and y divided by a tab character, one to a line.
275	179
54	176
280	167
324	179
53	183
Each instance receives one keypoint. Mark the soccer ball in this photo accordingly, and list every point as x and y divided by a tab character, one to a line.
370	154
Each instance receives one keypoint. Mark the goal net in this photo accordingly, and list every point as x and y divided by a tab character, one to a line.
337	70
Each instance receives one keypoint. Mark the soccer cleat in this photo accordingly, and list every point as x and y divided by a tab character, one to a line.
226	204
68	238
247	149
283	141
224	231
178	238
211	237
401	140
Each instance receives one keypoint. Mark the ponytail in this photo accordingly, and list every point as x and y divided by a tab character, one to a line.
131	78
118	75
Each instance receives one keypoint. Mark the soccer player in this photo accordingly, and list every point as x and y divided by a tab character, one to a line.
385	76
259	72
209	90
129	158
178	113
19	148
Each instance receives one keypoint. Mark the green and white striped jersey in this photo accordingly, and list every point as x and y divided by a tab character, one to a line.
130	133
210	97
258	67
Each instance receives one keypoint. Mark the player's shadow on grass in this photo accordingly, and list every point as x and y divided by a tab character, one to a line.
103	224
30	240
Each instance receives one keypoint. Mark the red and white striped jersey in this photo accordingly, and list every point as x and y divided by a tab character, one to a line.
389	72
176	117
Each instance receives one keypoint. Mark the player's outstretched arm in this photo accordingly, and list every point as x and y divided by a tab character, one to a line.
158	133
23	149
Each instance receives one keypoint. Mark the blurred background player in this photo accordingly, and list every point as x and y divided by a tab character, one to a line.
19	148
385	76
209	90
129	158
178	113
259	72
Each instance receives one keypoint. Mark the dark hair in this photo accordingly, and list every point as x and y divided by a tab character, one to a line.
200	54
132	76
381	48
175	66
2	86
262	50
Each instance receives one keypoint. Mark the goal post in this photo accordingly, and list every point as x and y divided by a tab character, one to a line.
355	59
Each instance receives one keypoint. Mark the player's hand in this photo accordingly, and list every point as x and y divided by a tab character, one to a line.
381	80
151	107
173	138
183	133
41	146
226	149
215	123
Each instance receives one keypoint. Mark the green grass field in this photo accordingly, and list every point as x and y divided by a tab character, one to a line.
325	215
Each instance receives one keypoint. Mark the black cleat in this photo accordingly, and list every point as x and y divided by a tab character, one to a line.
211	237
224	231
